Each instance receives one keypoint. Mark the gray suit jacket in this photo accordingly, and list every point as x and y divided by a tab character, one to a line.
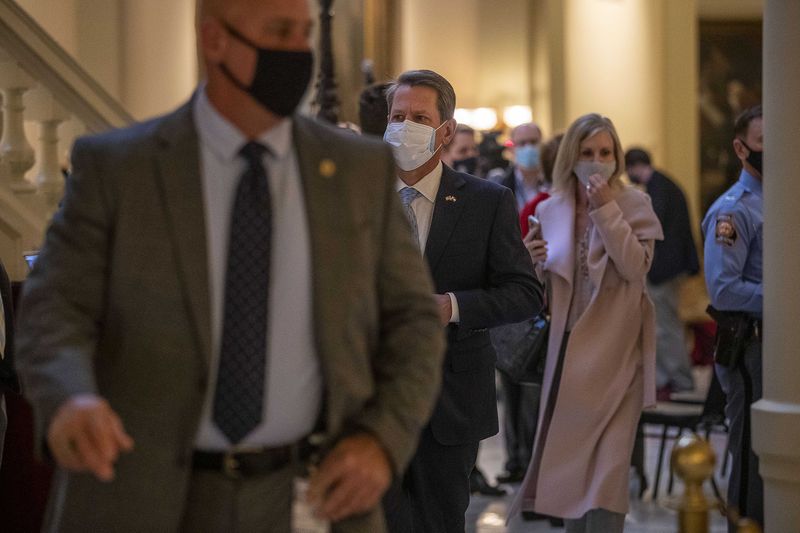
118	304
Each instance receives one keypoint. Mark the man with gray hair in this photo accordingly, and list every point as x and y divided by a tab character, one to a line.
467	230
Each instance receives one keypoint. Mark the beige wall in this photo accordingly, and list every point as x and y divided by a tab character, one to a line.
634	61
613	66
432	40
681	154
159	55
59	18
141	51
482	50
503	56
99	46
546	53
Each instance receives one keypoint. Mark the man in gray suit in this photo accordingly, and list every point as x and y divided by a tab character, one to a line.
219	284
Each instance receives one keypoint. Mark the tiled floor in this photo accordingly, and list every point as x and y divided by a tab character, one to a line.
488	515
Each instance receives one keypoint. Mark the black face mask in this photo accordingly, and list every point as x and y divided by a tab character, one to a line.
754	158
281	76
635	178
468	165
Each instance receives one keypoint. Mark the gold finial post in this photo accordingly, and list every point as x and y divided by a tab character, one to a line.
693	461
745	525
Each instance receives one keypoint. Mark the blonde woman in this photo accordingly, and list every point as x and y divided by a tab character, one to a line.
595	249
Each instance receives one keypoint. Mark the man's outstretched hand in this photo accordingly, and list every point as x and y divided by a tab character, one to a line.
86	435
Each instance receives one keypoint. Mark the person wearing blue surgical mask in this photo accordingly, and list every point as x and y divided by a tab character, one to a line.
524	177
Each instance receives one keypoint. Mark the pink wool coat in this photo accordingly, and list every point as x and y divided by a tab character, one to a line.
609	366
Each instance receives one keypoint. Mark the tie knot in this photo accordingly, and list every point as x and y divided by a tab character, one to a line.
407	195
253	152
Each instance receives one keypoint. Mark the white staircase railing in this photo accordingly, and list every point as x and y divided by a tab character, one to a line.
41	85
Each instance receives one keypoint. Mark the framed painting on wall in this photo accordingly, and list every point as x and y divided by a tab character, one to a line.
730	82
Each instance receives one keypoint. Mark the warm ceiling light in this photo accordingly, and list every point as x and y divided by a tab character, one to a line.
464	116
515	115
484	118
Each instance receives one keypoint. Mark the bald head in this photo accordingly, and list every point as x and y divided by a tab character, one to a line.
231	37
219	8
276	24
528	133
213	8
242	9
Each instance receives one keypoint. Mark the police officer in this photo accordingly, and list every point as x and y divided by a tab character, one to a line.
733	269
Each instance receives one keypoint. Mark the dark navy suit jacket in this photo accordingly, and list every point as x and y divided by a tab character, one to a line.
676	254
475	250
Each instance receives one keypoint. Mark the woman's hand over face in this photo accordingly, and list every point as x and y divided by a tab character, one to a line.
598	191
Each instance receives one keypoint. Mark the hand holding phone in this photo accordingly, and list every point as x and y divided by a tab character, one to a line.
537	248
534	225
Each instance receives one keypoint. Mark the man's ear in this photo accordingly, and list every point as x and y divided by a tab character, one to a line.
213	40
449	129
739	148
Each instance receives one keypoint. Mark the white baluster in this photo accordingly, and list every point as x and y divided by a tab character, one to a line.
44	109
16	155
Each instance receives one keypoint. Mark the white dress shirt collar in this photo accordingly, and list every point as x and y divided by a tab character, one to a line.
225	140
427	186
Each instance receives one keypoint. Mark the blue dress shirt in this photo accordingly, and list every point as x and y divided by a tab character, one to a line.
734	246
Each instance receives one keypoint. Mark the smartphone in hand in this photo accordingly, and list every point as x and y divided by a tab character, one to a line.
535	225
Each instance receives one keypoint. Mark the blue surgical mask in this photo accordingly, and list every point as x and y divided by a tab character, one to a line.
527	156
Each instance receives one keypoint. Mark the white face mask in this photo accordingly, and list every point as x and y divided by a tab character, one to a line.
413	144
584	169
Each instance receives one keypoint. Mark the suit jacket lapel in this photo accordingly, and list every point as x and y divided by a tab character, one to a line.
446	212
178	171
330	234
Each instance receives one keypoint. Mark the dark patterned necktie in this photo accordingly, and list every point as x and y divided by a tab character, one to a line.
239	395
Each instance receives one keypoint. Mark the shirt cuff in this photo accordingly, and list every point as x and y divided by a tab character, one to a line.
455	317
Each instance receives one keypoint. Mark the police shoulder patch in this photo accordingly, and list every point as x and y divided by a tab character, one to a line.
726	230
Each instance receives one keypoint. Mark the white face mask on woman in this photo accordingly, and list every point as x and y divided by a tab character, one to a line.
584	169
413	144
